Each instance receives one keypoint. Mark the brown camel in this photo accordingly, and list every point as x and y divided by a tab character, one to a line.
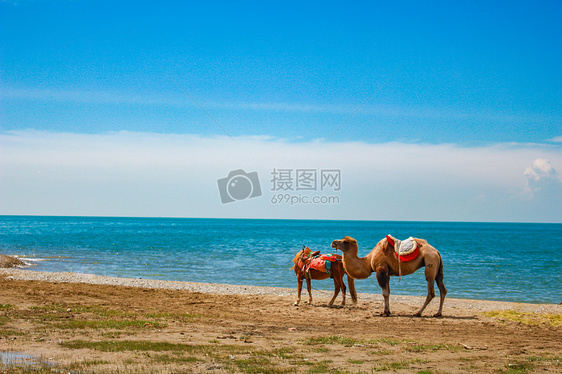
382	260
302	260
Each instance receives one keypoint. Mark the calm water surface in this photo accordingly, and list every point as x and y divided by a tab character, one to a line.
494	261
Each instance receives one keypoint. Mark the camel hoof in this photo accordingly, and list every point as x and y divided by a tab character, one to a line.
437	315
417	315
385	314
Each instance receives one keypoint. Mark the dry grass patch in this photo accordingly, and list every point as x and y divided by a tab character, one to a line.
552	319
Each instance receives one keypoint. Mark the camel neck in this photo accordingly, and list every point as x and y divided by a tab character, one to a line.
358	268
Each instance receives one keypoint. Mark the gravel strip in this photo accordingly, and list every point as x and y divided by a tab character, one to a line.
227	289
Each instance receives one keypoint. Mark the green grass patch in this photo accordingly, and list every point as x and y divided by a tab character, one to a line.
381	352
407	344
355	362
254	365
548	360
6	307
86	363
397	365
333	339
233	358
320	350
379	366
182	317
428	347
319	368
302	362
4	333
37	369
68	317
107	324
116	334
553	319
169	359
389	341
286	353
152	346
131	345
516	368
59	311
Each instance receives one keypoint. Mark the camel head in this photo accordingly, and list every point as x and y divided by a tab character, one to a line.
298	256
346	244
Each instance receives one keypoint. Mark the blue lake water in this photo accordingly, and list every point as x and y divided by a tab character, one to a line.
494	261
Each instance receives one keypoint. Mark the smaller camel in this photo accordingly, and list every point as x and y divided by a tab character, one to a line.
383	261
301	266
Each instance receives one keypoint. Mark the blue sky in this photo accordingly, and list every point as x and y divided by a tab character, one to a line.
478	78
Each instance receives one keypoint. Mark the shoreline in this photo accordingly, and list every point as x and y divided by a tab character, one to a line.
227	289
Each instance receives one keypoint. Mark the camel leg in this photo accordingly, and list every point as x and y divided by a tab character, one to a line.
337	276
309	288
442	290
336	292
352	291
430	278
384	282
342	285
299	290
430	296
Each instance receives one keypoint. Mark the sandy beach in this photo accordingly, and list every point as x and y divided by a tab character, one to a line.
88	323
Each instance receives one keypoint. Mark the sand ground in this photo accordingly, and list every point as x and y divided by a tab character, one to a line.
70	323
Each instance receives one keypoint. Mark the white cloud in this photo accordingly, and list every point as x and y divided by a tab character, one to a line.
540	169
556	139
147	174
175	98
89	96
542	179
178	99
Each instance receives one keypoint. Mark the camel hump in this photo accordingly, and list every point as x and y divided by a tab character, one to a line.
408	249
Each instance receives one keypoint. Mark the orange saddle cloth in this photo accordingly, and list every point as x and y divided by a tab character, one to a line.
323	263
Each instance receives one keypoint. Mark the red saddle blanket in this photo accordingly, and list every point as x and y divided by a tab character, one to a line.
410	257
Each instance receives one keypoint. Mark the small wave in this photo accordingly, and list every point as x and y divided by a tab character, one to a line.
28	261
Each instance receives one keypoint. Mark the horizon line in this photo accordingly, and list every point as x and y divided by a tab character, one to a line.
267	219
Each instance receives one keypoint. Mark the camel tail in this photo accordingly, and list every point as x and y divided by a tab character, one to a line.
440	271
352	291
